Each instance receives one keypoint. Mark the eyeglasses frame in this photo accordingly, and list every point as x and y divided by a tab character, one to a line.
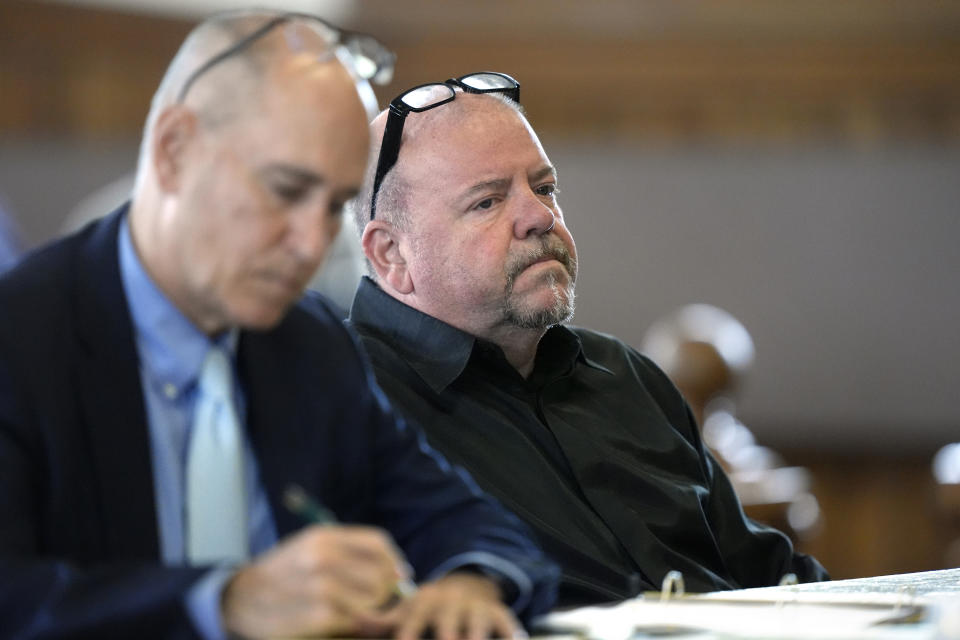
399	110
343	36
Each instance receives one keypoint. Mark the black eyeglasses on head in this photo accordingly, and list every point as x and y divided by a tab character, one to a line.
370	59
423	98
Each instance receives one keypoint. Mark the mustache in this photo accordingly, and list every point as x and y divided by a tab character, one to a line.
548	247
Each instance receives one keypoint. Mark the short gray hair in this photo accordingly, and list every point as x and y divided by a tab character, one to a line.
391	199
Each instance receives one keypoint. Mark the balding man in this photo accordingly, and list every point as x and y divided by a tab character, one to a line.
473	277
165	398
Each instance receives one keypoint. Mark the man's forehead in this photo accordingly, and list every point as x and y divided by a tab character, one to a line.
482	139
466	113
321	87
311	127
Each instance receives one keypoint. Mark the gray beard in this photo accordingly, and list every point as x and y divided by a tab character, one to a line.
563	301
561	310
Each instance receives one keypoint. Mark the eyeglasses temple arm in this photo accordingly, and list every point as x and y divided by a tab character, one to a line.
389	150
229	51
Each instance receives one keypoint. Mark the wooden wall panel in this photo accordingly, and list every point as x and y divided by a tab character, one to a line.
728	91
80	72
674	71
880	514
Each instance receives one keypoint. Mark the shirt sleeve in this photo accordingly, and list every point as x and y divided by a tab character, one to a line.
756	554
203	603
515	585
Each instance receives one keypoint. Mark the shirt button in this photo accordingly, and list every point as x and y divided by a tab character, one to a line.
170	390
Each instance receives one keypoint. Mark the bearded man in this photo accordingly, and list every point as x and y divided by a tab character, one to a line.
473	271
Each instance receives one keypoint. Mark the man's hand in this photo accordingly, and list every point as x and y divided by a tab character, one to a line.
322	581
456	606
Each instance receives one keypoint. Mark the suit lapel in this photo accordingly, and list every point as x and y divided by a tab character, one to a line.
111	398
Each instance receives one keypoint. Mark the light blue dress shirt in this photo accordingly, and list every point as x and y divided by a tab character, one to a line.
171	352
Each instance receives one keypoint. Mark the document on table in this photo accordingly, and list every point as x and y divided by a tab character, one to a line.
738	615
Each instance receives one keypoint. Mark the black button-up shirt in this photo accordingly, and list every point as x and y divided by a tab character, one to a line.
595	450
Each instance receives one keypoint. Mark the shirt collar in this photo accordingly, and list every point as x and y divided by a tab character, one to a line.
560	347
171	348
437	351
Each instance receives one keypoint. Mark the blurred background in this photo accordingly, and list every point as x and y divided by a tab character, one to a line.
794	162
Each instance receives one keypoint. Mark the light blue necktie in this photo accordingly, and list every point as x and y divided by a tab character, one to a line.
216	498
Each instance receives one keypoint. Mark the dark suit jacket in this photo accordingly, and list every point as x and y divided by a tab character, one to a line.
79	551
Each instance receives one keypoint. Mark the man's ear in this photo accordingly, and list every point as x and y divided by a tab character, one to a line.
381	245
172	132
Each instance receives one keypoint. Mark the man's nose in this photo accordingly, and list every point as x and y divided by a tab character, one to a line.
534	217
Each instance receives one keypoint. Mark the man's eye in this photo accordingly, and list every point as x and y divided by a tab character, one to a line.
289	193
548	189
486	203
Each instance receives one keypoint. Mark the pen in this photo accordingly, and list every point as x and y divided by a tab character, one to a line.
296	500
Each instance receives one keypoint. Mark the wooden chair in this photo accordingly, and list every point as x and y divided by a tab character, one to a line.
706	352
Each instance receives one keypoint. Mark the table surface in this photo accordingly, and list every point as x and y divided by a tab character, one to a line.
933	595
944	582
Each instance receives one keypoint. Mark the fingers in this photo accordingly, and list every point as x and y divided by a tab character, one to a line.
505	625
476	622
458	606
254	606
449	621
417	618
358	563
359	544
319	581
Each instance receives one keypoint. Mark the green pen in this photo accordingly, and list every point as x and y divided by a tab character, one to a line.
296	500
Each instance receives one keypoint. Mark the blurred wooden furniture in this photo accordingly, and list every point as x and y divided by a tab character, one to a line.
707	352
946	472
